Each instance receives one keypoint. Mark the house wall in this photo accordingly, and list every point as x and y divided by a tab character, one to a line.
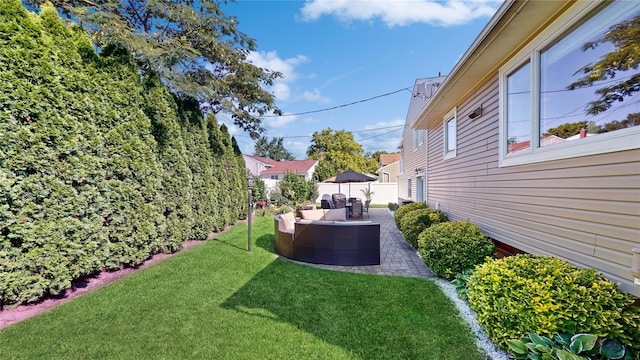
585	209
413	159
253	166
389	173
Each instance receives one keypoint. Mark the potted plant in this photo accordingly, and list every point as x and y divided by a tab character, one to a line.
367	196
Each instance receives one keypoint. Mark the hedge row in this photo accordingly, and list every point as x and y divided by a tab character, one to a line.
100	167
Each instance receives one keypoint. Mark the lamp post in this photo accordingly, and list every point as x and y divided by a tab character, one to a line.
250	186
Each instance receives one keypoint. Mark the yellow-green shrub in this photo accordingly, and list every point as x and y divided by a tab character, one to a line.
414	222
404	209
449	248
520	294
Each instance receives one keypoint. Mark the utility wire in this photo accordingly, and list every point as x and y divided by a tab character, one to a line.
340	106
355	132
375	136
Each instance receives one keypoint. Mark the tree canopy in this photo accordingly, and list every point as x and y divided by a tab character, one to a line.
626	56
339	152
273	149
195	48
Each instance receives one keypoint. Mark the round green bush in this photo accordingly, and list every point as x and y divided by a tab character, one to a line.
520	294
414	222
402	210
449	248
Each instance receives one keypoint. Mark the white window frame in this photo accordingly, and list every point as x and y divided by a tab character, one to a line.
409	188
619	140
451	115
418	138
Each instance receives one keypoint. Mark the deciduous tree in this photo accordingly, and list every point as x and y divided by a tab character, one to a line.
339	152
272	149
196	49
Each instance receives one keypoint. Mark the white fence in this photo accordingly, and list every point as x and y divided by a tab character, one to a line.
383	193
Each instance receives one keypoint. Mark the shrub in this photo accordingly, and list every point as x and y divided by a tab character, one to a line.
565	346
393	206
99	167
461	281
402	210
526	293
414	222
449	248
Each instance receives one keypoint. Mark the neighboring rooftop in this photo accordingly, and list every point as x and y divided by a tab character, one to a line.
386	159
297	166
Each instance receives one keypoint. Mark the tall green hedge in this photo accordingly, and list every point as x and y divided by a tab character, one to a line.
100	166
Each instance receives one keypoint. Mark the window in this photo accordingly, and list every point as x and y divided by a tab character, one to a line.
274	177
420	189
409	188
544	116
418	138
450	135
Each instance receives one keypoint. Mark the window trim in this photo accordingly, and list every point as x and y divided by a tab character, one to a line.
619	140
418	139
451	115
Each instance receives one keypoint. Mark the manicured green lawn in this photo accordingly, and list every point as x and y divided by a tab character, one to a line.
217	301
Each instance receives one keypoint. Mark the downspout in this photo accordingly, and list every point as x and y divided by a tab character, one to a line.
426	166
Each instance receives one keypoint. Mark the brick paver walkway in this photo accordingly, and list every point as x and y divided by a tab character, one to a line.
397	257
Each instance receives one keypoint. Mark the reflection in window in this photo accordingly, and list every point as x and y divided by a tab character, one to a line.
519	109
451	135
563	115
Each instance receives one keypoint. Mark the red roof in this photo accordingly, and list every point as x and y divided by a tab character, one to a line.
263	160
386	159
297	166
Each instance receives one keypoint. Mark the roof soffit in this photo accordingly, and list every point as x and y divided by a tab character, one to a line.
513	26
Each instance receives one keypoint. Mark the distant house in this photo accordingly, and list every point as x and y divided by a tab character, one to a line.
411	177
389	168
487	160
272	171
303	168
257	164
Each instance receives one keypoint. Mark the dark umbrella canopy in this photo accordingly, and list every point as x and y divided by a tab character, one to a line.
352	176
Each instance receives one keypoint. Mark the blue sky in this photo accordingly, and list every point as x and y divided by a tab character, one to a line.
337	52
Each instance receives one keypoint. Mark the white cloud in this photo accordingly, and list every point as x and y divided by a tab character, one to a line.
278	121
402	12
315	96
269	60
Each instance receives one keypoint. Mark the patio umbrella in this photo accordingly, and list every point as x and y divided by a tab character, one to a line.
350	176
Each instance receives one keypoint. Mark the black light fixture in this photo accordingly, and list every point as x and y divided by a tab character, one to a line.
475	113
419	170
250	207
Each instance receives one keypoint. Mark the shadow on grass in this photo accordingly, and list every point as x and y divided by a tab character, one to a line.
345	310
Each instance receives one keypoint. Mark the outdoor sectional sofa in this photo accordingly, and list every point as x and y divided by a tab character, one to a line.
323	236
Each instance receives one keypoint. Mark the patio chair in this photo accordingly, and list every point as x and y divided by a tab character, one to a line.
356	209
339	200
326	202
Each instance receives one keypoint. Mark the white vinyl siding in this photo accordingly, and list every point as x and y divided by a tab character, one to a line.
586	209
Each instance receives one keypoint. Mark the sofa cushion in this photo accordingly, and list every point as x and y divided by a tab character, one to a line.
316	214
289	220
335	215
